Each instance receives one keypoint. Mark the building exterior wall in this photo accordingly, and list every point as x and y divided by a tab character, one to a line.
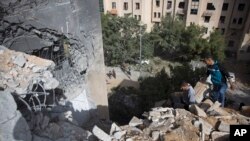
211	14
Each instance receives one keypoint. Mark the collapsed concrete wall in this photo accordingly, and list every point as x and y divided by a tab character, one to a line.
69	33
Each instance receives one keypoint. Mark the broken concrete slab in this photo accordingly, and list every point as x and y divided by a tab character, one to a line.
19	60
135	122
155	135
219	136
224	127
198	111
119	135
200	89
218	112
12	124
214	106
100	134
155	114
114	128
206	104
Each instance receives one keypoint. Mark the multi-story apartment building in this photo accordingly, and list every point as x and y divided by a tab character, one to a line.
232	17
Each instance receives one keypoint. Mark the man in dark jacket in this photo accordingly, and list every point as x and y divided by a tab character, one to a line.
219	76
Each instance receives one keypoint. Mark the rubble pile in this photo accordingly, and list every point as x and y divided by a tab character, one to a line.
20	71
166	124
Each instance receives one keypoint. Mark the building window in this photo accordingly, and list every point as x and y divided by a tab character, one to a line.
168	14
157	2
234	21
241	7
207	19
225	7
240	21
113	5
181	5
159	15
210	6
137	5
125	6
135	16
230	43
155	14
196	0
169	5
194	8
139	17
194	11
222	19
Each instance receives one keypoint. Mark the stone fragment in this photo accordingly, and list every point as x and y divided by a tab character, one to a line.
214	106
13	127
100	134
200	89
19	60
120	134
114	128
155	135
206	104
198	111
155	114
135	122
220	136
224	127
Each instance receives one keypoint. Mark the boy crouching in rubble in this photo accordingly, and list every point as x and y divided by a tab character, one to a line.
189	94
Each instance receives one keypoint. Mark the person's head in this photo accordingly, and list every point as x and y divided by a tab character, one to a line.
208	60
185	86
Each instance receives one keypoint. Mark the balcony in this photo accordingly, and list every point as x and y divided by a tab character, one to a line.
207	13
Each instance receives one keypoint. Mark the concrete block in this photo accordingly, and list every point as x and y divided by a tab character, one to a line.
224	127
206	104
114	128
135	122
220	136
198	111
100	134
119	135
155	135
200	89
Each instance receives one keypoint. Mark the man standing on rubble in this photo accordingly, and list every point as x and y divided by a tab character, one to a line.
219	76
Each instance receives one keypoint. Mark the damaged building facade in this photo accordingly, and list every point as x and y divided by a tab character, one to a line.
51	60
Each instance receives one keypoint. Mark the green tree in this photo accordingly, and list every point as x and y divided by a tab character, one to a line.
172	40
121	39
166	36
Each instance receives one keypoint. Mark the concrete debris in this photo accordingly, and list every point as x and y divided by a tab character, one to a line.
155	135
198	111
135	122
19	60
220	136
17	72
206	104
13	126
114	128
119	135
214	106
200	91
224	127
100	134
